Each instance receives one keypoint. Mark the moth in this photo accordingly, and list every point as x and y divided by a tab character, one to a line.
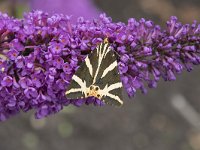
98	76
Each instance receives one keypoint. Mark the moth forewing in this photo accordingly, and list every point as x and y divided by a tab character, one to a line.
78	84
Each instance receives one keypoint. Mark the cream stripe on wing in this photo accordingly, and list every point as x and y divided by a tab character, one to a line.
99	63
108	49
73	91
79	81
115	97
107	88
99	49
100	58
104	50
109	68
114	86
88	64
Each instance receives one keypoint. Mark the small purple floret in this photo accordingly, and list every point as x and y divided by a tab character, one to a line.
7	81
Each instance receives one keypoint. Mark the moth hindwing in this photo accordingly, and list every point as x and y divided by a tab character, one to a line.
97	76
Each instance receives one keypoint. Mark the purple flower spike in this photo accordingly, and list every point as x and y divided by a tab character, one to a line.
40	54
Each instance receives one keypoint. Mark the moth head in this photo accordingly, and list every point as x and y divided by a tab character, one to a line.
105	41
94	90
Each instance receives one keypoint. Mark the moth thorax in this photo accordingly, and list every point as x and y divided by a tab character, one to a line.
94	90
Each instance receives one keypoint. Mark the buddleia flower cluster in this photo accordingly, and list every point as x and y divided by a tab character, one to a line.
40	53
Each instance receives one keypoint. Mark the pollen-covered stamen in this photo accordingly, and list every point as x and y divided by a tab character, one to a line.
94	90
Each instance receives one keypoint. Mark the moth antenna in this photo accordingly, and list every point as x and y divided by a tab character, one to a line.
117	53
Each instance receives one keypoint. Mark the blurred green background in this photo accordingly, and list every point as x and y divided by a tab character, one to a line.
167	118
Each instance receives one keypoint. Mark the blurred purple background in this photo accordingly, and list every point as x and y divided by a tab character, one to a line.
76	8
167	118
